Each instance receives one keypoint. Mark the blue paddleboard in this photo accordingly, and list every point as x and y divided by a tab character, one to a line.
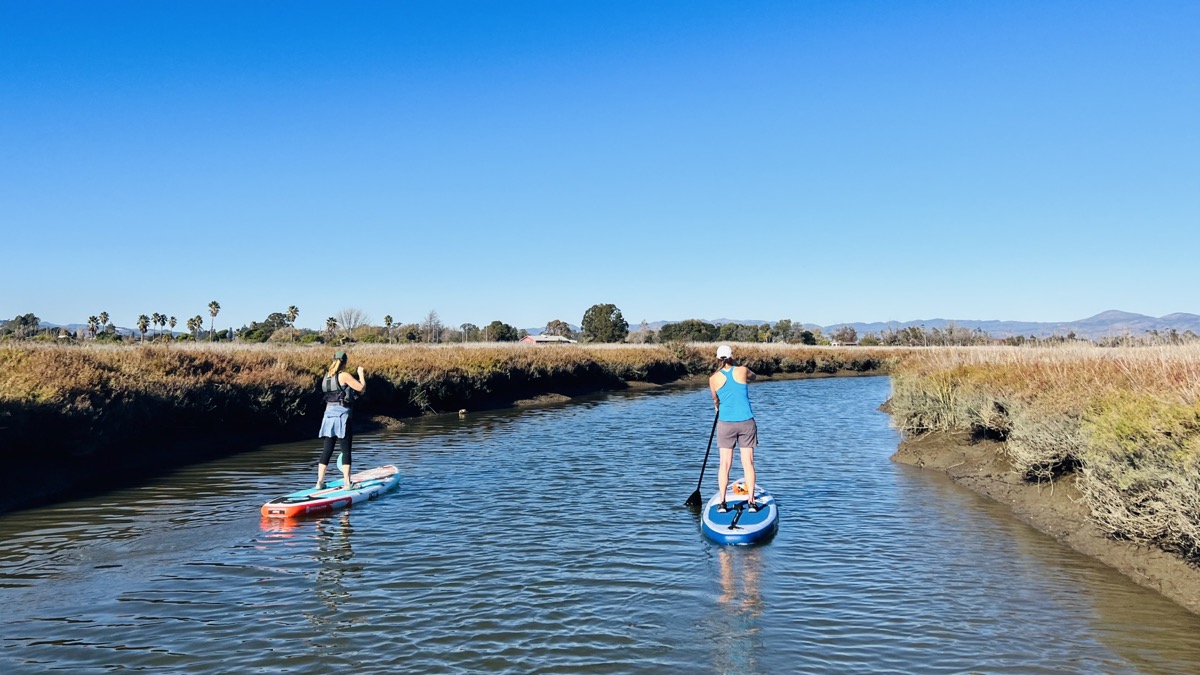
740	525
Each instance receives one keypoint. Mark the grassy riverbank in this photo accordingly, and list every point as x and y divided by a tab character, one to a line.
94	410
1122	424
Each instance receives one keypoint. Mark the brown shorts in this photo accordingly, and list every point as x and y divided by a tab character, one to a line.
737	434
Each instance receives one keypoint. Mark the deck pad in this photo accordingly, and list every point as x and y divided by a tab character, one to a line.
740	525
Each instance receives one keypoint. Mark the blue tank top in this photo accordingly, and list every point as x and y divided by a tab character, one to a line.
735	400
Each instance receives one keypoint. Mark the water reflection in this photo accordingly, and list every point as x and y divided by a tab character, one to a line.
333	555
738	633
1137	627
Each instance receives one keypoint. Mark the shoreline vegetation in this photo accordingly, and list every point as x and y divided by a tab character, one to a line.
89	417
1096	446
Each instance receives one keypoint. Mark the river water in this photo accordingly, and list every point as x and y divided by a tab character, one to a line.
555	540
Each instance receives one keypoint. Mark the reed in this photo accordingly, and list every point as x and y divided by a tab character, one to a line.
1125	422
79	399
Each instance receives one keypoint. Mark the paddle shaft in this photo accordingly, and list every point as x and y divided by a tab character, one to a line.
696	498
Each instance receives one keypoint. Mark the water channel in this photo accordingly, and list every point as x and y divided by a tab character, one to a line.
555	540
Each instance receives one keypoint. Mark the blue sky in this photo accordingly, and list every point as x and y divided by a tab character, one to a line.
825	162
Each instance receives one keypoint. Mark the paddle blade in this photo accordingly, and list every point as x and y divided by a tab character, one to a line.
695	500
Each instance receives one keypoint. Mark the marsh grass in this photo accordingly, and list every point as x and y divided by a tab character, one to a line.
80	400
1124	421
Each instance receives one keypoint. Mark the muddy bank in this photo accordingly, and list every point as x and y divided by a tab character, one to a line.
1054	508
70	464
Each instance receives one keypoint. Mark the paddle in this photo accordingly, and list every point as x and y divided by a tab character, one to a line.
695	500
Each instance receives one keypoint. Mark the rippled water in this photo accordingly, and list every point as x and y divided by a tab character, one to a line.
556	541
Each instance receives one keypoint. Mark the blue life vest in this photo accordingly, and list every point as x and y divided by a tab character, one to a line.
735	400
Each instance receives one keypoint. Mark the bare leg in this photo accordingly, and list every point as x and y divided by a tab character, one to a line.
748	469
346	474
321	475
723	472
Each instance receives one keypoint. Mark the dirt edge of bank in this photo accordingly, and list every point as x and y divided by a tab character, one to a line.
1056	509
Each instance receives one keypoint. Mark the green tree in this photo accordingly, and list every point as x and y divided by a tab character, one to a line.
691	330
143	322
171	322
559	328
845	335
781	330
409	332
387	323
275	321
93	324
214	308
331	325
103	316
498	331
23	325
604	323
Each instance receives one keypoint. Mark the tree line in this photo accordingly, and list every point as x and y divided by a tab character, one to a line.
601	323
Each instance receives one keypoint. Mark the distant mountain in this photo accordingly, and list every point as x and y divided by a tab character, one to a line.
1112	323
540	329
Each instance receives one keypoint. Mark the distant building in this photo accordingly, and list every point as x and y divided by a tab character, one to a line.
547	340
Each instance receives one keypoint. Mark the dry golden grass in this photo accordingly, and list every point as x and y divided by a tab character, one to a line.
1125	420
92	392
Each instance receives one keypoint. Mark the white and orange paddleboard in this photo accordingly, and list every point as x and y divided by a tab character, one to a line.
364	485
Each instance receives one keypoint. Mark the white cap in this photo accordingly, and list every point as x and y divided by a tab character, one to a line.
724	352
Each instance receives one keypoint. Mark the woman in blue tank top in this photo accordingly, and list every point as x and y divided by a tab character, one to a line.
735	421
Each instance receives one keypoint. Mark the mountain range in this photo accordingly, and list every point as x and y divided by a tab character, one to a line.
1113	323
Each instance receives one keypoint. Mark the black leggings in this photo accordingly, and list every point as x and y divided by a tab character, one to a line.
327	452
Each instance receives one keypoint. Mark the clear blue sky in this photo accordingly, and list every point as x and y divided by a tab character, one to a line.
825	162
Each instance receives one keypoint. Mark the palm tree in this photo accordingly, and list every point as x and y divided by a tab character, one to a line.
93	326
213	308
387	323
171	322
193	325
292	313
199	325
331	325
158	320
143	323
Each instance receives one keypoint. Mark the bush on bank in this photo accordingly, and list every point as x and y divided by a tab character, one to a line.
1124	422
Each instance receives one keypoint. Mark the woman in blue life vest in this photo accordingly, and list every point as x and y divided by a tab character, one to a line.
339	388
735	421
